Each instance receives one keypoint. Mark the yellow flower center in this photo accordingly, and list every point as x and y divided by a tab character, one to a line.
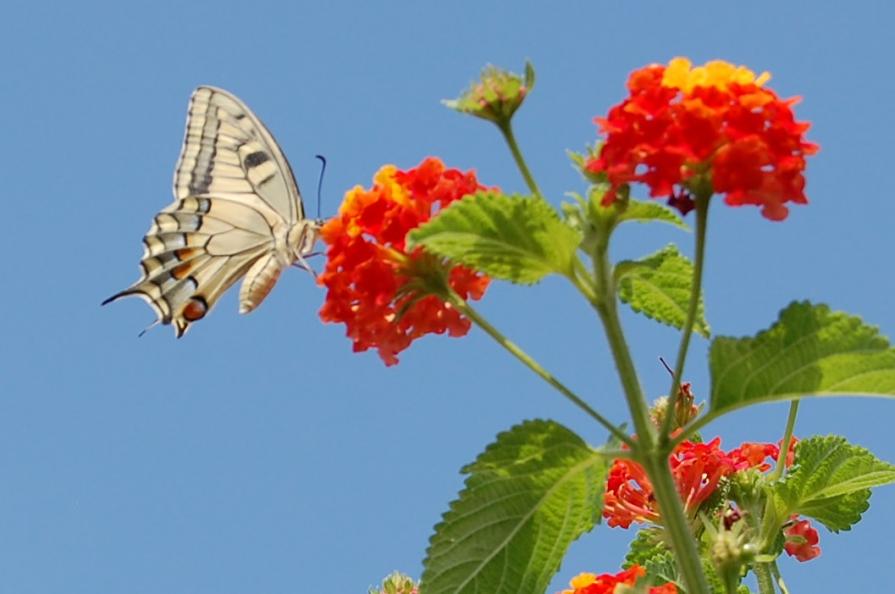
680	74
385	178
583	580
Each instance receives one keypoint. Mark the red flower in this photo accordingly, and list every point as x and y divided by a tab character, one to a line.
697	468
801	541
589	583
761	455
682	128
368	272
629	495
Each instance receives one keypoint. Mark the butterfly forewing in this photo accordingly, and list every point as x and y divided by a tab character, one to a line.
235	200
228	151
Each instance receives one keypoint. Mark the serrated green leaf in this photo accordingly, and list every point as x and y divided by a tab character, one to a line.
647	546
641	211
528	496
831	482
809	351
519	239
658	286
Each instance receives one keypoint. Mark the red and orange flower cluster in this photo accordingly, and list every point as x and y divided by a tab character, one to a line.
589	583
367	259
683	127
697	469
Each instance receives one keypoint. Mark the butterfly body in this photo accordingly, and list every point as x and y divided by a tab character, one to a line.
237	213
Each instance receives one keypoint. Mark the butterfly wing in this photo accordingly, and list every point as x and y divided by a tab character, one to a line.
228	152
234	194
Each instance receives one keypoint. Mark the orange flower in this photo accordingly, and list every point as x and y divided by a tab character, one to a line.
589	583
712	129
369	276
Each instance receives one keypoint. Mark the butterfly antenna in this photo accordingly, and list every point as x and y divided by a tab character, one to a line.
320	181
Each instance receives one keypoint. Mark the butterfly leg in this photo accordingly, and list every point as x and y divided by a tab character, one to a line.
303	264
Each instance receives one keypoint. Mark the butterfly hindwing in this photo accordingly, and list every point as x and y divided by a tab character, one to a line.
234	197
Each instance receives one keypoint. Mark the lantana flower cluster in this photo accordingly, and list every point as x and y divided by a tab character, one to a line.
697	469
709	129
367	263
589	583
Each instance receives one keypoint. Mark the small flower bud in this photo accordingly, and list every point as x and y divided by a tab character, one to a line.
496	95
396	583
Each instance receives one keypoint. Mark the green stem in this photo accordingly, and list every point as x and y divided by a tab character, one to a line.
702	210
653	459
529	362
606	307
582	281
780	583
677	528
787	439
506	128
763	576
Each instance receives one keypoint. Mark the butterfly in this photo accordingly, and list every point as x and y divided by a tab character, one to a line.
237	212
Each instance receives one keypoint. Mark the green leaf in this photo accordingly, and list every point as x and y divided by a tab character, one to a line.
831	482
658	286
809	351
647	547
641	211
519	239
528	496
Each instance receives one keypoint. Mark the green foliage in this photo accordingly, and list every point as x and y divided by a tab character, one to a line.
647	547
519	239
650	552
641	211
831	482
659	286
528	496
809	351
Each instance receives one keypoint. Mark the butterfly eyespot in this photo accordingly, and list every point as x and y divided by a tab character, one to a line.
195	309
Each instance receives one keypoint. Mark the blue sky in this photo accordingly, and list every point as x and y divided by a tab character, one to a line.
259	454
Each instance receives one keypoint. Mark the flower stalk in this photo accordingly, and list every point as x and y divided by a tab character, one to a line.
527	360
653	458
787	440
506	129
702	209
